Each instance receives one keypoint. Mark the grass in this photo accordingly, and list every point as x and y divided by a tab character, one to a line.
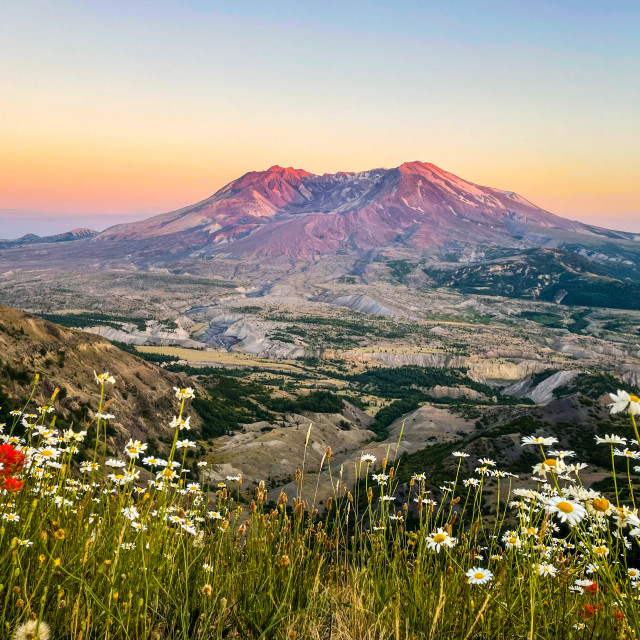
127	546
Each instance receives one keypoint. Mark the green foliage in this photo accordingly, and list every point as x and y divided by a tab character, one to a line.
316	401
592	385
156	358
389	414
79	320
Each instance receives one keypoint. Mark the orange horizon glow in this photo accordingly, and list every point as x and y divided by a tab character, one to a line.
108	109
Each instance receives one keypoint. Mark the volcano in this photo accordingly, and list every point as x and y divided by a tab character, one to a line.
290	212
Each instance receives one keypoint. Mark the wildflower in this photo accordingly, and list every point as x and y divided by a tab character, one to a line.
104	416
599	507
611	439
116	464
152	461
511	540
207	567
539	440
625	516
580	626
634	574
622	401
562	454
471	482
12	485
627	453
547	570
487	462
184	393
202	463
128	546
45	408
550	465
85	467
69	435
134	448
237	478
11	460
11	517
460	454
419	477
440	539
380	478
368	458
104	377
601	550
181	444
566	510
477	575
182	423
131	513
32	630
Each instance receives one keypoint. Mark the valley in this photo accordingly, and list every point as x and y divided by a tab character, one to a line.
403	310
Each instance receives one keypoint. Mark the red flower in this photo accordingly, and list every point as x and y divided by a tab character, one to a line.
11	460
618	615
12	485
592	588
589	610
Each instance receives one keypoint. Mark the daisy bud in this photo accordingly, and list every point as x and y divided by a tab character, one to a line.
207	590
327	453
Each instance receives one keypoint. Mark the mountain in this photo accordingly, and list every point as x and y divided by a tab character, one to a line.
291	212
141	399
32	238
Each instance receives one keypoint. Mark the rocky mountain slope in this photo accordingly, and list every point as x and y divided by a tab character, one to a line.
291	212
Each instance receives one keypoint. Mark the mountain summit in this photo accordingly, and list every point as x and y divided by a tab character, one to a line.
287	211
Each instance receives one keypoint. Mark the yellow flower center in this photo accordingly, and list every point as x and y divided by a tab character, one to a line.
565	507
513	540
633	572
439	537
478	576
46	453
550	462
634	398
600	504
531	531
600	550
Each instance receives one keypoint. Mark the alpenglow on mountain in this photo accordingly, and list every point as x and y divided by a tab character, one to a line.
291	212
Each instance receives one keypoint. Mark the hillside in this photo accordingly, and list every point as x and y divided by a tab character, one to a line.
66	358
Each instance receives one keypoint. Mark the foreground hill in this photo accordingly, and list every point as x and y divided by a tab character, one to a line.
66	358
286	211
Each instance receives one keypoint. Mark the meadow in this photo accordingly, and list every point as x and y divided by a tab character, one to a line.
134	546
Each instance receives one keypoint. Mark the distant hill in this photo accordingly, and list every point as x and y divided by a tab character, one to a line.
32	238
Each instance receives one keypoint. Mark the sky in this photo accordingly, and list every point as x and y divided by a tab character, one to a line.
114	111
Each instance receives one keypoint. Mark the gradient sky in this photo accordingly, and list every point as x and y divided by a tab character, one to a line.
115	110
